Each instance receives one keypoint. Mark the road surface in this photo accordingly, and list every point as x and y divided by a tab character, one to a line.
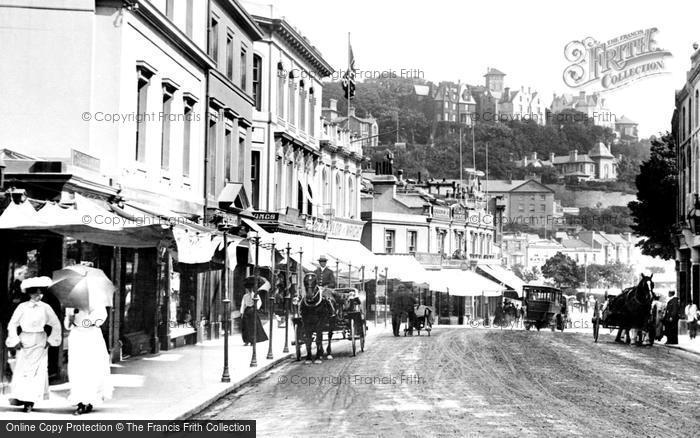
477	382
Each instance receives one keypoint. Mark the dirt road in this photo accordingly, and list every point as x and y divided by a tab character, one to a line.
477	382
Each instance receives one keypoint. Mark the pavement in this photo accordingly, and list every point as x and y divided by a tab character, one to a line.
173	384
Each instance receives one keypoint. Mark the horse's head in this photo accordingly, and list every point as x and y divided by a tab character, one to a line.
645	288
310	284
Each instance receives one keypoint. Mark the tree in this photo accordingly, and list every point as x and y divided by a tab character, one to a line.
563	271
527	275
654	210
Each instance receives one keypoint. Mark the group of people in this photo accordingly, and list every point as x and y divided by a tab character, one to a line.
505	313
672	315
88	359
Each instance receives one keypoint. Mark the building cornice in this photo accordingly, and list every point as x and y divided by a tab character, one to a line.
297	42
167	28
242	17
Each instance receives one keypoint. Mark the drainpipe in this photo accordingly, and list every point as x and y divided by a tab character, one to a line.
271	155
206	122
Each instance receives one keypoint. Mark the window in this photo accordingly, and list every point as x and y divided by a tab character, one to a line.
302	106
278	183
189	10
292	100
229	55
255	179
280	90
211	159
542	197
244	69
300	197
141	109
543	208
241	158
521	208
170	9
214	39
351	198
447	105
257	82
697	107
412	241
532	207
312	113
228	154
389	241
338	196
165	128
187	136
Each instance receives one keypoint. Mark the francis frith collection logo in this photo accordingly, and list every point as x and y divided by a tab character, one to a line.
614	63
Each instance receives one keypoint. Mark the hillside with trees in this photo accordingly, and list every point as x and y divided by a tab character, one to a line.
433	149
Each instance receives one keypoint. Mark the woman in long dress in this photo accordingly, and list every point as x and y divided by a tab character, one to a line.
30	380
249	314
88	359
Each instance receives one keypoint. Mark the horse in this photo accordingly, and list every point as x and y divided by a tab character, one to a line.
632	309
317	310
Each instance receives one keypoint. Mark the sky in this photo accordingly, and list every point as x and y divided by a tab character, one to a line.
458	40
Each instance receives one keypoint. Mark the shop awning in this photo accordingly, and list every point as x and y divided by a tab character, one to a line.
195	243
461	283
403	267
502	275
87	219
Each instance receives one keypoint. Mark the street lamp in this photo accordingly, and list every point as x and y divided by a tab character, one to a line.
225	376
254	359
287	298
271	299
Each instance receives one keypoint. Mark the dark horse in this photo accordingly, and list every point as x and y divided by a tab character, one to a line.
632	310
317	312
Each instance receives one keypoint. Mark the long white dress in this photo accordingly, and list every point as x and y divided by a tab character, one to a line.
88	358
30	379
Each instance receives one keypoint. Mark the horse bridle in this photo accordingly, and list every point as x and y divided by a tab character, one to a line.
320	298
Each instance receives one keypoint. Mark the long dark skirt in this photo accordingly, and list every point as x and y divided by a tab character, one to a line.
249	318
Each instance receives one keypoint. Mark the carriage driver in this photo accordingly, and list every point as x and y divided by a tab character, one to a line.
324	275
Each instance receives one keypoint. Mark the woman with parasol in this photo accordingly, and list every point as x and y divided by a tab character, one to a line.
30	381
88	292
249	315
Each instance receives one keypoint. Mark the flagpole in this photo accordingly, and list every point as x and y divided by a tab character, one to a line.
348	83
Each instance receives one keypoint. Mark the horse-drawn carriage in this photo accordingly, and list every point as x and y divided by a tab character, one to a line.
634	308
544	307
336	312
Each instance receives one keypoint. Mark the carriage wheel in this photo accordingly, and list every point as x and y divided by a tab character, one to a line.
363	333
353	339
297	340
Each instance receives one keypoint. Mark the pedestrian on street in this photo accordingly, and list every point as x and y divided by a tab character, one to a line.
249	315
30	381
691	316
671	319
88	358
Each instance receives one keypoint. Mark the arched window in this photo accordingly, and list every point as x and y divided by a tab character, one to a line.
292	100
339	196
280	89
351	198
300	197
312	113
309	202
683	124
325	194
697	107
302	106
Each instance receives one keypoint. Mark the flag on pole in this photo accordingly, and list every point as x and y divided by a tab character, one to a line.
348	80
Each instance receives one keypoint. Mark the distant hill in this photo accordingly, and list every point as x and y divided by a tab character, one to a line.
439	156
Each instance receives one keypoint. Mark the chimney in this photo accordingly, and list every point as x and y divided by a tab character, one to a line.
351	111
506	91
419	180
400	174
534	157
573	155
582	94
333	105
551	157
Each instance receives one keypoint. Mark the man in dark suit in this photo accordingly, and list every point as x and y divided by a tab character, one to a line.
402	302
671	319
325	276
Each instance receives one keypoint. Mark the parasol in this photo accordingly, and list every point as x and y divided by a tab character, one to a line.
82	287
